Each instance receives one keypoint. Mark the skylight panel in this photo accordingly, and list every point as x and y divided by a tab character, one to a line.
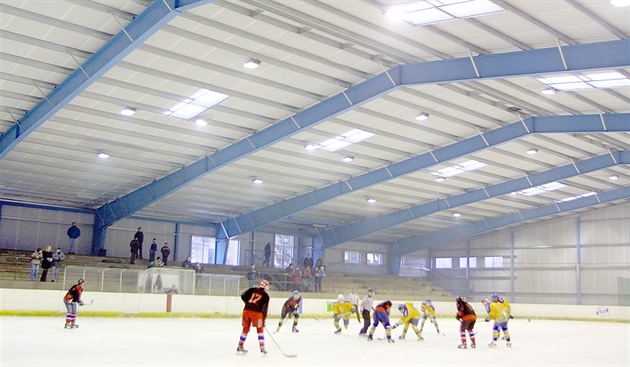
588	80
457	169
196	104
542	188
341	141
576	197
436	11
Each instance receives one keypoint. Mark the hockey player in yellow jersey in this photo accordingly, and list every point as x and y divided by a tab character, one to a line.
410	316
499	310
342	310
428	312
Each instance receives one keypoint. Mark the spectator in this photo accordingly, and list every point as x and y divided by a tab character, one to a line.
198	268
252	274
319	263
133	248
319	274
152	250
58	258
151	264
296	279
308	261
140	236
187	263
267	254
289	269
47	261
159	263
36	261
165	250
73	233
307	275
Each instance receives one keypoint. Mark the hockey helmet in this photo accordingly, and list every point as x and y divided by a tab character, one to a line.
494	296
401	307
340	298
428	301
81	281
264	284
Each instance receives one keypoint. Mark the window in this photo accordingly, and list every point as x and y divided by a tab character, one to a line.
470	261
494	262
283	251
443	263
374	258
202	249
352	257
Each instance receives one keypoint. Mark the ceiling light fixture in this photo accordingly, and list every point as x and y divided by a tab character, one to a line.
620	3
201	122
549	91
457	215
347	158
532	151
129	111
613	177
422	116
310	146
440	179
102	155
371	200
257	181
252	63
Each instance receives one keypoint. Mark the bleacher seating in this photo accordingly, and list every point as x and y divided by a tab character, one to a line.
15	270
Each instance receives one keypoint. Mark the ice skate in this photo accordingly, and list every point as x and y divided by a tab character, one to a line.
509	344
240	349
493	344
420	338
67	325
295	330
369	338
278	329
74	326
473	345
402	337
391	340
263	350
462	346
338	331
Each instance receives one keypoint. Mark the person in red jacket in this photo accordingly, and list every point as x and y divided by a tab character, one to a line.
254	314
71	299
467	318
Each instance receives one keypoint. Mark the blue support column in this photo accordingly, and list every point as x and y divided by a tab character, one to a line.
468	287
98	240
318	249
512	262
221	246
578	265
393	263
176	242
252	248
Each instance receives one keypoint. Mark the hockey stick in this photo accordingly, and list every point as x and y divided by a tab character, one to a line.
278	345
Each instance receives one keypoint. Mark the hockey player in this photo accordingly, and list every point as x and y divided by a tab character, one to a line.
499	310
71	299
342	309
410	316
428	312
467	317
366	306
254	314
291	307
381	315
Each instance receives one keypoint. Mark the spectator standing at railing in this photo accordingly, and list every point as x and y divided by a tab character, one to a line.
165	250
267	254
152	250
308	261
252	274
47	261
318	276
73	233
133	248
140	236
296	278
36	261
307	275
58	257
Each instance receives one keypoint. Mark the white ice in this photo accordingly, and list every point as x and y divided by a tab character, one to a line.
42	341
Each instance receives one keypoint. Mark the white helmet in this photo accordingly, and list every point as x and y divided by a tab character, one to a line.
340	298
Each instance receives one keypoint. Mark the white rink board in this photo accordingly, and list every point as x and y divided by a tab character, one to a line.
42	341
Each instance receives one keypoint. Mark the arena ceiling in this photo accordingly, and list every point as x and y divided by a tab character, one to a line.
329	120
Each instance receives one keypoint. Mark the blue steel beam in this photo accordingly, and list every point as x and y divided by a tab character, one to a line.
610	55
460	232
337	235
139	30
553	124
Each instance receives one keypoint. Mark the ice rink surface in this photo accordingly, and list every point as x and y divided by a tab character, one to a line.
42	341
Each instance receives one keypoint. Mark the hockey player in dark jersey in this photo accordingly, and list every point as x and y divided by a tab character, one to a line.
254	314
381	316
467	318
71	299
291	307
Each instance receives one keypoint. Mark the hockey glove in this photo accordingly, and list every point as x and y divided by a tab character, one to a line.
510	317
